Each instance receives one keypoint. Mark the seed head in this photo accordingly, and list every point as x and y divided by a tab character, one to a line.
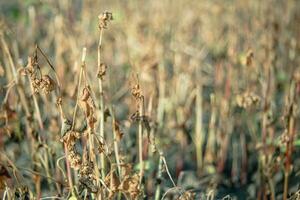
47	84
104	19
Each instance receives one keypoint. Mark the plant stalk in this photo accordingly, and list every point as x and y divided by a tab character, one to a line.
101	127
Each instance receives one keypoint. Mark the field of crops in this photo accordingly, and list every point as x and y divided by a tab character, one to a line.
160	99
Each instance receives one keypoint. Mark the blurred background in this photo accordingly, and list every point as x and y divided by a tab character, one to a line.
221	82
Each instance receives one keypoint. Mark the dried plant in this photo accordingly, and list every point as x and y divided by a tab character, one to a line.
212	107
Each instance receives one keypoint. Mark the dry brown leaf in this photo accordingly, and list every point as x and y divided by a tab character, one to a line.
119	133
112	181
130	185
88	106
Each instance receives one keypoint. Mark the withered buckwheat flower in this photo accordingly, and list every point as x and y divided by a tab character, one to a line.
70	140
104	19
47	84
74	158
86	175
36	83
247	99
136	91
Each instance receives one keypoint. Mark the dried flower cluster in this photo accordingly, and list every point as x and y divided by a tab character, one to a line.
47	84
247	100
86	175
44	83
70	139
136	91
84	166
104	19
129	185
